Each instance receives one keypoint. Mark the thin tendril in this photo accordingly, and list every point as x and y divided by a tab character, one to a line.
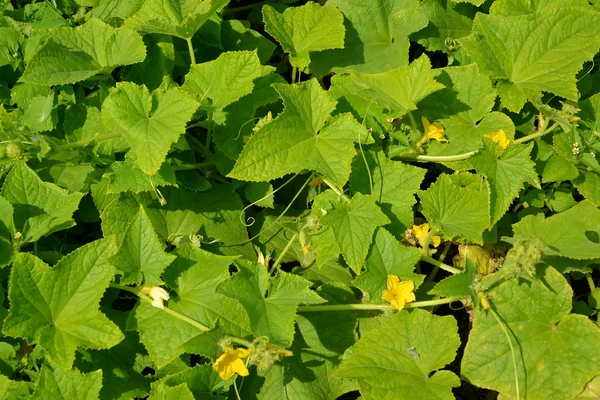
362	153
250	221
243	125
278	217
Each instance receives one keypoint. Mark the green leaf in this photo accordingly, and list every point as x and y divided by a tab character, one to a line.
229	135
120	378
320	340
388	257
221	82
572	233
302	137
13	389
556	353
150	122
180	392
588	184
459	284
201	381
516	7
215	215
70	55
260	193
353	223
40	208
141	255
38	116
396	360
505	174
58	383
376	36
176	18
305	29
194	276
559	169
539	52
460	212
394	186
124	176
270	302
512	97
448	22
401	89
57	307
157	68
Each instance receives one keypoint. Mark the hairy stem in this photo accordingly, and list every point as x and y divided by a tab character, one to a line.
284	251
85	142
187	167
541	132
191	50
380	307
425	158
336	190
138	292
440	264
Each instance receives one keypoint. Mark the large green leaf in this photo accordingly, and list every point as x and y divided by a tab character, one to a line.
40	208
57	308
70	55
141	255
572	233
539	52
388	257
171	17
394	186
305	29
505	174
194	276
376	36
400	89
270	302
396	360
201	381
150	122
302	137
556	352
218	83
460	212
58	383
353	224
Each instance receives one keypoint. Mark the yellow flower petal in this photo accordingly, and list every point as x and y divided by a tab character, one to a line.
422	231
230	363
433	131
399	293
500	138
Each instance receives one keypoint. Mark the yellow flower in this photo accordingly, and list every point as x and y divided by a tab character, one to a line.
422	231
157	294
433	131
230	363
500	138
399	293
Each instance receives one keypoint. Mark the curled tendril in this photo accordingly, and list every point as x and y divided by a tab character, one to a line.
250	220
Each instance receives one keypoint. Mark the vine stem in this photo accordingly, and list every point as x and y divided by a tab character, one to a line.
336	190
379	307
440	264
425	158
436	268
187	167
191	50
294	71
142	296
590	281
85	142
537	134
209	131
284	251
